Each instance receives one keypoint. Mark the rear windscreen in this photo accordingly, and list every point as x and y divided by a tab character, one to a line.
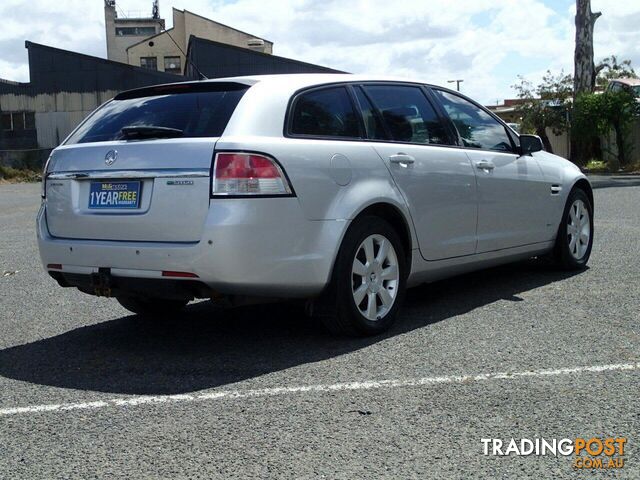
194	113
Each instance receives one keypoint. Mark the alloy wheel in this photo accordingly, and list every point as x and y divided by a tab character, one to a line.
578	229
375	277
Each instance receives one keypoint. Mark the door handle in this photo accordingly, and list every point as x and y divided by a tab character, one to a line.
485	165
402	158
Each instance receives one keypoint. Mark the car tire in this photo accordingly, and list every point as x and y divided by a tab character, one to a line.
152	307
575	234
368	281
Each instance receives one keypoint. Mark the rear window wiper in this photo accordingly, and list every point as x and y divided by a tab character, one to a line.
149	131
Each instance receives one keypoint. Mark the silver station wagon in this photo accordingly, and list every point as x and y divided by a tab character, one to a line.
339	189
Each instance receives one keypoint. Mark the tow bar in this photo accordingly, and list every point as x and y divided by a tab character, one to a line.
102	282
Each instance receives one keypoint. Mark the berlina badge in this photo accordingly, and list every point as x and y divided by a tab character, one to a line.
111	157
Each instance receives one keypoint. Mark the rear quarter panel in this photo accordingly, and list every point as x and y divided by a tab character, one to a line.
326	189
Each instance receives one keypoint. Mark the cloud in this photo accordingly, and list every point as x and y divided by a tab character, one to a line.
70	24
488	43
436	40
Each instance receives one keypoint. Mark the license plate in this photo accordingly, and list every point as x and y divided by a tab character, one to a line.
114	195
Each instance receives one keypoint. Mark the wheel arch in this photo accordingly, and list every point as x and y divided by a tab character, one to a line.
390	212
394	216
583	184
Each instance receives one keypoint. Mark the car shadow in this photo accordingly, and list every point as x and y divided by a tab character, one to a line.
209	347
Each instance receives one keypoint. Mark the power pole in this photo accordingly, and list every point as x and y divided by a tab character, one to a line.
457	82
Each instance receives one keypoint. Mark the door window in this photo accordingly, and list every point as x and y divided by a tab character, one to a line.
476	128
325	113
372	123
407	114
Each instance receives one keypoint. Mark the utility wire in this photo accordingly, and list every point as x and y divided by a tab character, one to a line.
202	75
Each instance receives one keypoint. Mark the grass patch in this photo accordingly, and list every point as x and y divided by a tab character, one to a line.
633	168
597	166
17	175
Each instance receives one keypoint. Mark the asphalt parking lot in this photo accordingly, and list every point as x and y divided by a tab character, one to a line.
89	391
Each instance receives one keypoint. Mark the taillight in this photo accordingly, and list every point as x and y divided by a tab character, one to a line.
248	174
43	186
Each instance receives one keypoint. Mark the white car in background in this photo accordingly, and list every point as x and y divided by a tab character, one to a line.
631	85
340	189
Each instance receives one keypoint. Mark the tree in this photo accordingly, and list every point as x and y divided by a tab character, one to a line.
545	106
584	75
610	68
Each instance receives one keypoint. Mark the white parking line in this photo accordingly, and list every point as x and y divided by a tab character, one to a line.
336	387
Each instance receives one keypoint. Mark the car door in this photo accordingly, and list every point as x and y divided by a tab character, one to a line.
436	181
512	191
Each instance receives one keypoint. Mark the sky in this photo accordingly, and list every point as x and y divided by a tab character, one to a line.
487	43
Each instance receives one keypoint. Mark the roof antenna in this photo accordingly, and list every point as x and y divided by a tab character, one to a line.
155	12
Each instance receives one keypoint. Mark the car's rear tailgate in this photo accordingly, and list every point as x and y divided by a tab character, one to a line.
170	179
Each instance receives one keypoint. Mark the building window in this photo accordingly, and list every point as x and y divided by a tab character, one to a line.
29	120
149	62
18	121
7	124
172	65
135	31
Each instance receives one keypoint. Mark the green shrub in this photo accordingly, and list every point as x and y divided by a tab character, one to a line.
597	115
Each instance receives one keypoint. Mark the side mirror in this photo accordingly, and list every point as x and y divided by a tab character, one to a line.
530	144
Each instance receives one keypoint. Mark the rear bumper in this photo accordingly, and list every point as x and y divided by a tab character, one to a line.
248	247
128	286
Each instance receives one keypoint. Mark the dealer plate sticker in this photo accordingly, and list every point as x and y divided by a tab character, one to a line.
114	195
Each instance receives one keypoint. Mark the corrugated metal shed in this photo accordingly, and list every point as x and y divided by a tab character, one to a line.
66	86
216	60
54	70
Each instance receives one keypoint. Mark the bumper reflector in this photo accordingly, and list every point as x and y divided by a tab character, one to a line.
54	266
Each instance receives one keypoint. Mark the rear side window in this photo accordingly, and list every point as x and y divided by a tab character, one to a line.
325	113
476	127
408	115
193	113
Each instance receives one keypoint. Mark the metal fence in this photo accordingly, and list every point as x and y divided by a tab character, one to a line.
610	148
561	144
